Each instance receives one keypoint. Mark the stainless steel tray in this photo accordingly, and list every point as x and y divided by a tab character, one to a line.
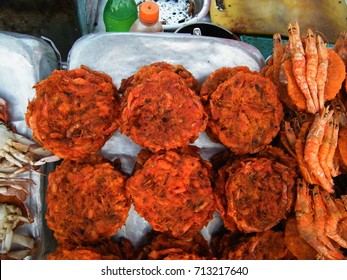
122	54
27	60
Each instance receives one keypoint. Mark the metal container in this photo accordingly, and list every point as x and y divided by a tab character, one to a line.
28	60
121	54
173	13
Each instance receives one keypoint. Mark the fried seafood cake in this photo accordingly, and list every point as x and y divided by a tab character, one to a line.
162	113
145	72
74	112
86	202
172	191
268	245
183	256
164	246
218	77
106	250
253	194
76	254
245	112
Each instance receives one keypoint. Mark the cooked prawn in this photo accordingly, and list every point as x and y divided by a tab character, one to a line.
278	52
324	149
299	150
299	65
322	71
332	222
312	66
313	142
306	225
334	170
320	218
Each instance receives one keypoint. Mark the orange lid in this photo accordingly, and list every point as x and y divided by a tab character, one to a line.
149	12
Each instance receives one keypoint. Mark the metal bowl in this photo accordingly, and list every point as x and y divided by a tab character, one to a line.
207	29
177	13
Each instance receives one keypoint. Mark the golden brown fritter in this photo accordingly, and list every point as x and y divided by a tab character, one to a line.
145	72
163	246
76	254
86	202
267	245
74	112
162	113
172	191
253	194
216	78
245	112
106	250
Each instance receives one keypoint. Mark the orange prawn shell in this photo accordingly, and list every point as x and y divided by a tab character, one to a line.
295	244
295	99
342	144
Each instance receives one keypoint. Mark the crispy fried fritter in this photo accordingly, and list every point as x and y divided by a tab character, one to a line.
74	112
145	72
75	254
224	241
218	77
86	202
183	256
105	250
162	113
172	191
267	245
256	193
245	112
165	246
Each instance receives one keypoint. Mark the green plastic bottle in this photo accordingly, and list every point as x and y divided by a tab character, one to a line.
119	15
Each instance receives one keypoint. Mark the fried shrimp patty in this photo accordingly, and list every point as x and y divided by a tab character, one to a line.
74	112
256	193
245	112
108	249
145	72
267	245
162	113
216	78
165	246
172	191
76	254
86	202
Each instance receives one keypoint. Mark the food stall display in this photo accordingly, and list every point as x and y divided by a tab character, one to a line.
174	146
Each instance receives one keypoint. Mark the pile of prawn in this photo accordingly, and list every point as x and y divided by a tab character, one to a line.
311	82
